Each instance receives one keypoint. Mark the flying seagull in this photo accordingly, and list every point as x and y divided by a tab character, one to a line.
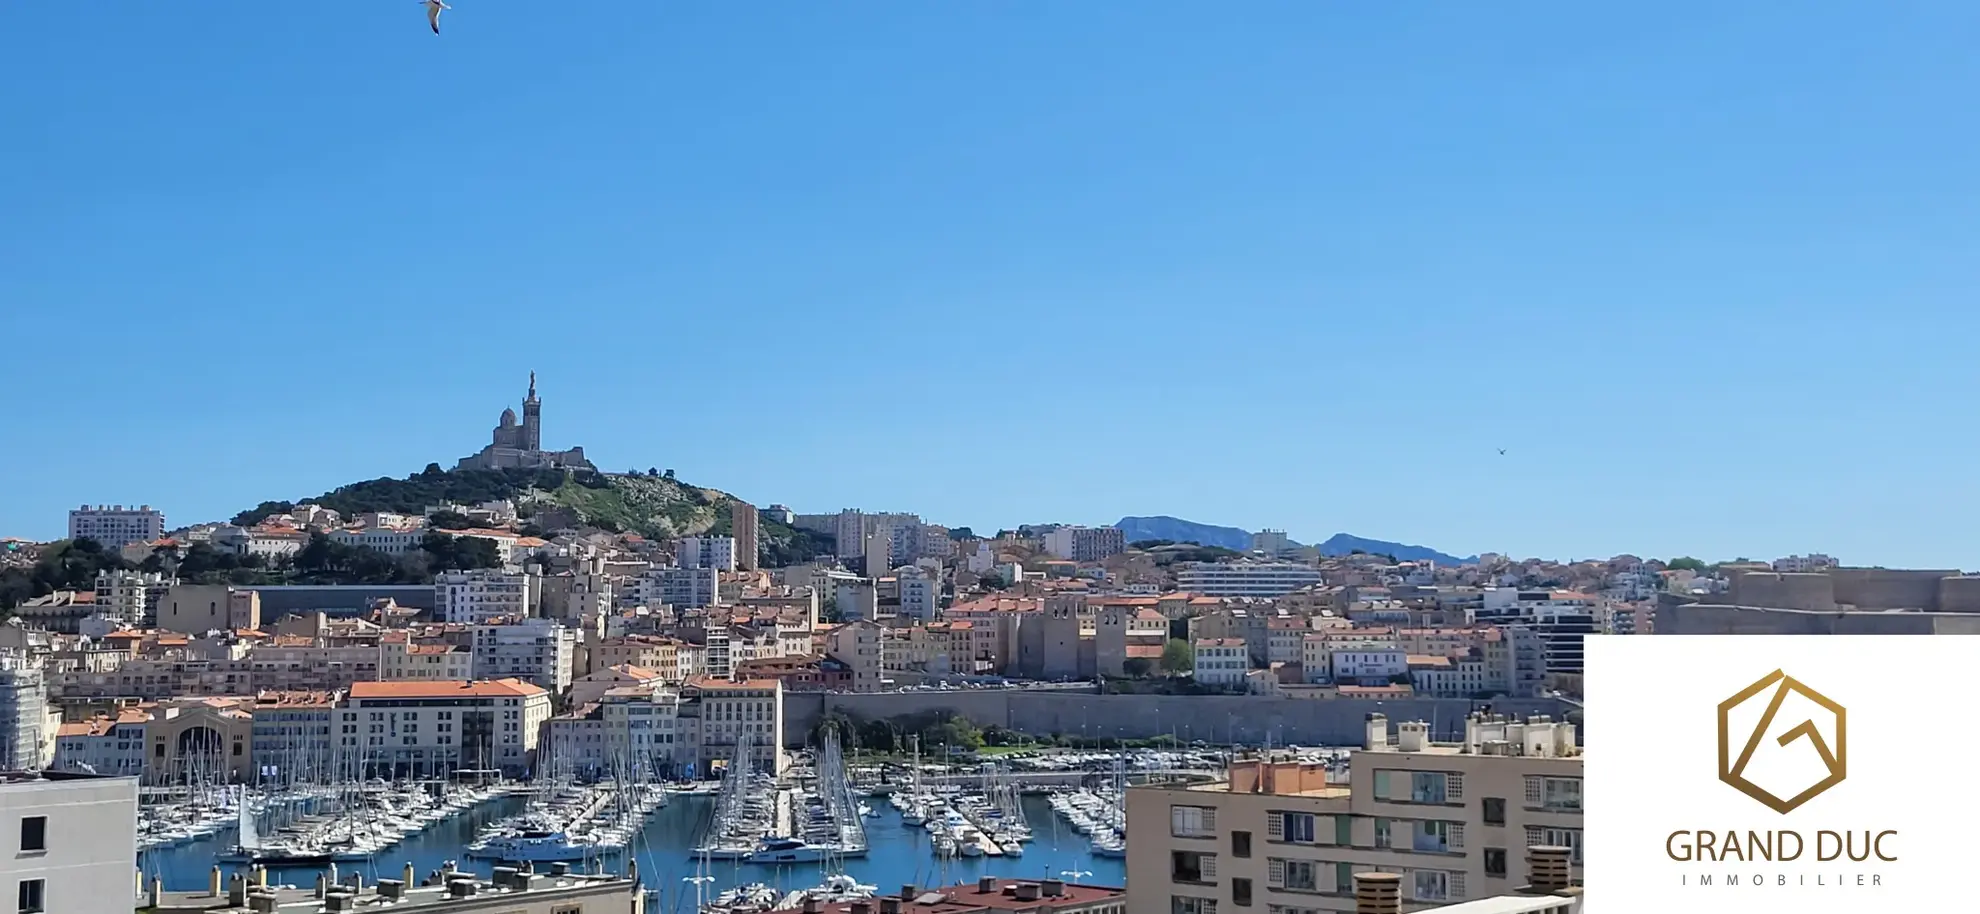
1502	452
433	8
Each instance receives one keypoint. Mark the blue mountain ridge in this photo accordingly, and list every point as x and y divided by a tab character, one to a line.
1163	527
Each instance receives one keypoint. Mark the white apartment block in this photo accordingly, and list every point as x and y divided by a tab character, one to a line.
130	596
475	597
921	593
388	540
681	588
1368	665
1246	579
68	842
717	552
1084	544
537	651
1270	542
442	726
115	526
1454	821
1222	661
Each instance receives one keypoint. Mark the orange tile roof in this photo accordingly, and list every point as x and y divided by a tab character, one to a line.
446	688
712	684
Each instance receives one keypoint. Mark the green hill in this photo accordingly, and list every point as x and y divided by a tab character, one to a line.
652	505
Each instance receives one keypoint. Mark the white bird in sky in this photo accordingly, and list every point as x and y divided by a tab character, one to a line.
433	8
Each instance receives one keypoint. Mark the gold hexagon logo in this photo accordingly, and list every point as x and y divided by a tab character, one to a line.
1780	686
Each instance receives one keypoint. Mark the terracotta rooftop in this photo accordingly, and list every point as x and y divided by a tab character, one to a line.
446	688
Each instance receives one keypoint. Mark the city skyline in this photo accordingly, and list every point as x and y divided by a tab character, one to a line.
1701	271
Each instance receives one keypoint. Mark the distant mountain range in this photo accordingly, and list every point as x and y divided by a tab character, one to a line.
1162	527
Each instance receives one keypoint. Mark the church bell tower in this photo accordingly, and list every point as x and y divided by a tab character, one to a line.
532	423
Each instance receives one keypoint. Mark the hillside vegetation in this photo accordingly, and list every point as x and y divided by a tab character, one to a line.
650	504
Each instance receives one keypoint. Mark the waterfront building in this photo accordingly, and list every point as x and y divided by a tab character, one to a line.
1453	820
107	744
442	726
628	728
717	715
70	840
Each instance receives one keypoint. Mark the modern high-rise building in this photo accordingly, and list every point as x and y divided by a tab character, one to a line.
23	709
717	552
115	526
743	526
1246	579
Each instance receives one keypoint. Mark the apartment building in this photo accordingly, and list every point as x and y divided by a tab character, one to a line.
533	650
130	596
1368	665
1221	661
721	716
67	841
745	525
115	526
627	729
1246	579
107	744
443	726
717	552
1084	544
195	609
475	597
681	588
23	711
290	736
663	656
861	646
921	593
1453	821
403	658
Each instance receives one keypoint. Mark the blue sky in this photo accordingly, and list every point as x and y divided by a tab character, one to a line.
1706	272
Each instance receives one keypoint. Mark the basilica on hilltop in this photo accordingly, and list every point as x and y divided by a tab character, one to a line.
521	446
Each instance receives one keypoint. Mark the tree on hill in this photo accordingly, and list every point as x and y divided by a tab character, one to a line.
1178	656
66	565
460	553
451	520
1685	563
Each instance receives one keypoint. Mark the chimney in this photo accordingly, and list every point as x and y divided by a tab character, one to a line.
1027	891
862	907
813	905
1052	888
1378	732
1549	869
908	891
890	906
986	885
1377	893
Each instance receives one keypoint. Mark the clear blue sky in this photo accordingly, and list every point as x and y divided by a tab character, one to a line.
1707	273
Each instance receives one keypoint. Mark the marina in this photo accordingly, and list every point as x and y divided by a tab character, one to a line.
665	849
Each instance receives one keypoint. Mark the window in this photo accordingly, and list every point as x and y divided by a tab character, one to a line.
1241	892
1553	793
1240	844
1426	787
1292	875
32	899
34	833
1192	821
1431	885
1192	866
1343	831
1296	827
1495	810
1495	862
1381	832
1570	838
1190	904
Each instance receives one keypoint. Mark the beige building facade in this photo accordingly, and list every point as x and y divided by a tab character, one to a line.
1286	837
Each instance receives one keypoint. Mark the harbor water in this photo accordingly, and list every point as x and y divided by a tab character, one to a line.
898	855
